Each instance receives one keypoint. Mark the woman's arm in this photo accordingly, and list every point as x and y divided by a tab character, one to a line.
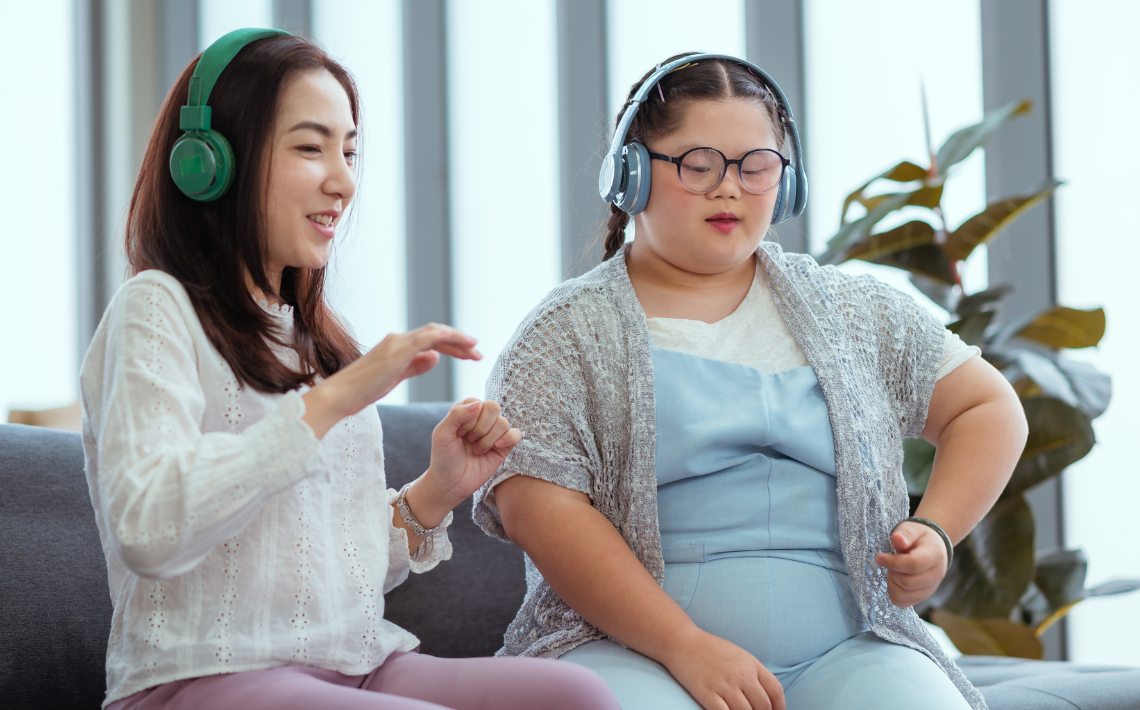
978	424
585	560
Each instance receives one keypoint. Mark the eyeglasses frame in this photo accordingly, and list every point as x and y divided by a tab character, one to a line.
739	163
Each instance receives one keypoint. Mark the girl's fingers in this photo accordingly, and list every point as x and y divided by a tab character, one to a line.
470	423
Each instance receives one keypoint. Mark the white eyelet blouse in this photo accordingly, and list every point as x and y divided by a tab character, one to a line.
235	540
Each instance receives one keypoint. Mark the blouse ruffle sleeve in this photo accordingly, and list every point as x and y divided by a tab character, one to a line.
169	493
538	382
400	560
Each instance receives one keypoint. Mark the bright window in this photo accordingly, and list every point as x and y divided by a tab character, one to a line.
367	283
1095	67
502	68
38	357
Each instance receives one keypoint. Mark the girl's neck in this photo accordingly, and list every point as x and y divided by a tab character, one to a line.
668	291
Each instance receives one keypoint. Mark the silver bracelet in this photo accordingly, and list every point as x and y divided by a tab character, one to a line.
414	525
941	533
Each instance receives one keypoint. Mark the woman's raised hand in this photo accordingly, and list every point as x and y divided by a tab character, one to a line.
396	358
723	676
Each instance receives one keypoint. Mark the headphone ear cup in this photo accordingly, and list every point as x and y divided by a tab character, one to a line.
635	192
785	196
202	165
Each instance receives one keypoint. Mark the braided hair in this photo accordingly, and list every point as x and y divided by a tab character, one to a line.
705	80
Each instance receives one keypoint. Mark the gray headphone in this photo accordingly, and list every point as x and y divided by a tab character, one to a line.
624	178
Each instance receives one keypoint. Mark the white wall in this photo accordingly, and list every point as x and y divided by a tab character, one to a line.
505	210
865	65
38	362
1096	71
367	283
217	17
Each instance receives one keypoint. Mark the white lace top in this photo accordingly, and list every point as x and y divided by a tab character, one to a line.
235	540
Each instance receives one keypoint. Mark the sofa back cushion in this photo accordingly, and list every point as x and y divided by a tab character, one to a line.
55	609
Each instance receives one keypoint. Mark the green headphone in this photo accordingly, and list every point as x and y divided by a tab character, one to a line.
202	161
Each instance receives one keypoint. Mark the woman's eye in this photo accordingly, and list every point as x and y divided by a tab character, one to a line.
309	149
350	156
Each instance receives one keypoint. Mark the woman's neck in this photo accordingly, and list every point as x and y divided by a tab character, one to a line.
668	291
270	298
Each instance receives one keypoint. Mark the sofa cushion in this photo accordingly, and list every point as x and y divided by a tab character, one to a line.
55	614
1018	684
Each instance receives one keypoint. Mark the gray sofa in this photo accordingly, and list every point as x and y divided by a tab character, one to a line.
55	609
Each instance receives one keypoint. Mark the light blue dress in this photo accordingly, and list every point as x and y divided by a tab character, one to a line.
747	506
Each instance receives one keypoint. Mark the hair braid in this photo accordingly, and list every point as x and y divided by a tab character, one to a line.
615	231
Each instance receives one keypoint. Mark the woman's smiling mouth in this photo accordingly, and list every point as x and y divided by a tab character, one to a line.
724	222
324	222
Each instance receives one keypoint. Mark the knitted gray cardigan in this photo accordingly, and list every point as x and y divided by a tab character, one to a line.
577	378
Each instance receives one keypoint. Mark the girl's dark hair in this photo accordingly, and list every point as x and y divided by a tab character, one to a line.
705	80
211	246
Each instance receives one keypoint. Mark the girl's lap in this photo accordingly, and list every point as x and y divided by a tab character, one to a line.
863	672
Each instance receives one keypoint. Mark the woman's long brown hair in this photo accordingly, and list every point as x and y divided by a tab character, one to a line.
211	246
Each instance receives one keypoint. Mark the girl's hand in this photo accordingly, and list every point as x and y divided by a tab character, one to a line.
396	358
723	676
918	565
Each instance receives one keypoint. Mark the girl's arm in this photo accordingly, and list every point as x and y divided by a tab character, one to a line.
977	422
585	560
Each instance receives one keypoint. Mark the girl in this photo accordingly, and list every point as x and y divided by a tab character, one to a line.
233	455
710	487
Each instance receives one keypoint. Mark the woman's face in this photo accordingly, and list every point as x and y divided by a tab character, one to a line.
311	178
712	232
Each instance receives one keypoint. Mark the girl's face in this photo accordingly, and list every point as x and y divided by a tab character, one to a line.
311	178
712	232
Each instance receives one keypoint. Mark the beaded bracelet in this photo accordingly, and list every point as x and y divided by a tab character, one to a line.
941	533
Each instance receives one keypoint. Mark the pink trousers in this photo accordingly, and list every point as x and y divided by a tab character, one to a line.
406	681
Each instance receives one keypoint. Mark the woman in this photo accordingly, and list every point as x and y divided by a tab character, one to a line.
712	471
233	455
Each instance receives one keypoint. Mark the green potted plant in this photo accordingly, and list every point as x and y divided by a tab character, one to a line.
999	595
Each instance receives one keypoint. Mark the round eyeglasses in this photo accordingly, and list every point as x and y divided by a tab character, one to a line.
702	169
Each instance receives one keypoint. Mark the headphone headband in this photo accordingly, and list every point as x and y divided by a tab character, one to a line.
195	114
613	176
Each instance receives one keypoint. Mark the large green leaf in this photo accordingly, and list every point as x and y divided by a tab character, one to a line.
966	140
1116	586
929	261
918	462
1059	434
988	637
907	236
905	171
982	299
972	327
986	225
993	566
1061	577
1062	327
1075	383
853	233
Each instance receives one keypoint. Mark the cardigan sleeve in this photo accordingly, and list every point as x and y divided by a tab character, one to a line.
539	382
169	493
911	344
